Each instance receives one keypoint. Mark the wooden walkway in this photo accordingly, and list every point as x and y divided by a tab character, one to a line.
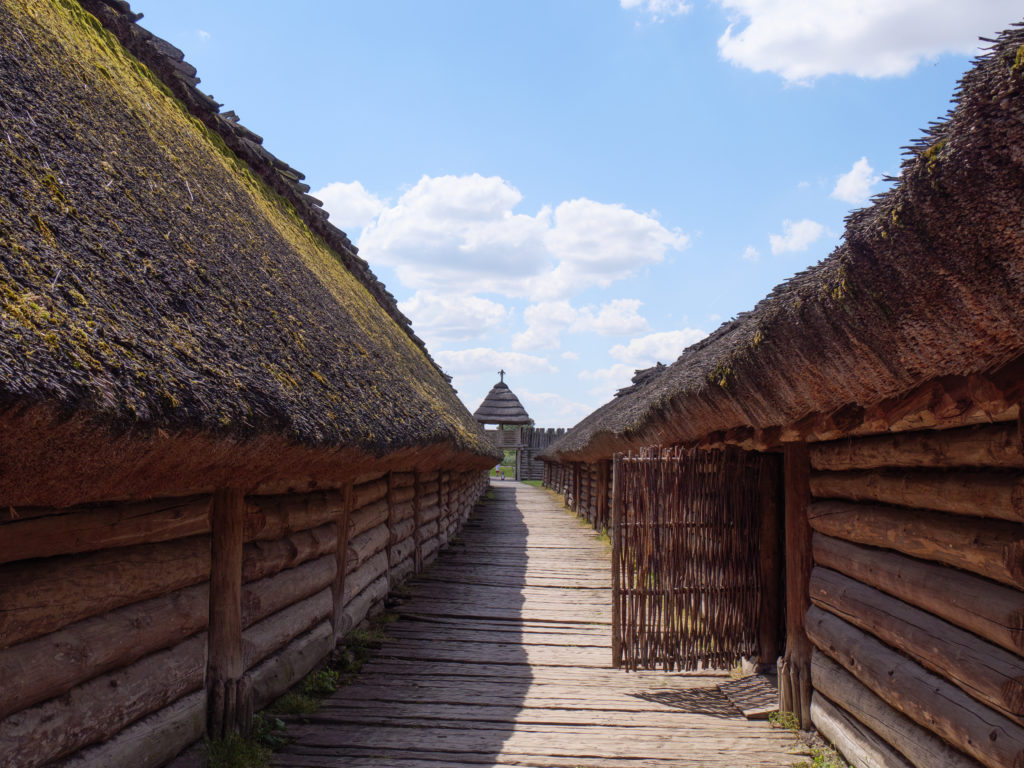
502	657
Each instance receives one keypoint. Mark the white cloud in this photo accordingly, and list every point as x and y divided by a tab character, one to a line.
750	253
546	321
854	186
609	380
350	205
658	9
663	347
452	317
805	39
796	236
203	35
487	362
463	231
549	409
570	355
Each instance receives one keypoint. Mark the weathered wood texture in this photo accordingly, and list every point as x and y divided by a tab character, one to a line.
989	737
795	665
501	657
92	641
919	746
986	672
991	548
857	743
986	608
991	445
965	492
106	527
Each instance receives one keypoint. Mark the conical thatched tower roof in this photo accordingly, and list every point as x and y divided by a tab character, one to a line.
501	406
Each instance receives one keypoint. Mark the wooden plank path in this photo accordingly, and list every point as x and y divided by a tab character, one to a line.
502	657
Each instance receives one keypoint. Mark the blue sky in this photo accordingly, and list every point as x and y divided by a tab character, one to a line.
573	189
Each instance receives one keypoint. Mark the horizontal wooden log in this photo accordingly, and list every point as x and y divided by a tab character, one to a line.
858	744
429	488
358	607
992	611
991	445
428	500
427	531
265	558
273	517
275	593
919	745
368	517
96	710
401	571
402	511
277	674
48	666
153	740
371	570
985	671
403	479
429	512
989	737
963	492
399	551
106	527
992	548
364	546
367	493
429	549
41	596
262	639
402	531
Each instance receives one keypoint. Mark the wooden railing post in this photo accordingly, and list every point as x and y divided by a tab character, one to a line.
795	666
229	707
341	563
616	535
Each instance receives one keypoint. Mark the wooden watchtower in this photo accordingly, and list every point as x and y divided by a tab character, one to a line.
502	408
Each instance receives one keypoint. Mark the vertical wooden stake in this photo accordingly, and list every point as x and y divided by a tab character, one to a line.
226	699
797	664
771	561
391	521
341	564
616	532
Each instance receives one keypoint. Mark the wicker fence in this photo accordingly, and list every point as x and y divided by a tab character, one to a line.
686	557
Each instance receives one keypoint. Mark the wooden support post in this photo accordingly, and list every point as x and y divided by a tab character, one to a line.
576	487
341	561
771	561
795	666
228	705
391	521
616	557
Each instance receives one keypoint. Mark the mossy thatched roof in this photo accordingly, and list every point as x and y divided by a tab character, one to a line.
501	406
151	279
928	282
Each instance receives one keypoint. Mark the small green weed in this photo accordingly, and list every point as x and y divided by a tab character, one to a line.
322	683
269	731
787	720
236	751
296	704
826	757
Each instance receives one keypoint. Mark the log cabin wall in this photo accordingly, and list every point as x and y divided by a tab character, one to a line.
105	638
917	596
586	488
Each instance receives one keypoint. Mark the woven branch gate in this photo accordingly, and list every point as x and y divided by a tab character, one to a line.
687	566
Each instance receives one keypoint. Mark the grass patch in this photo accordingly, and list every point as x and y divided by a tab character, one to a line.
787	720
824	757
293	703
534	483
237	751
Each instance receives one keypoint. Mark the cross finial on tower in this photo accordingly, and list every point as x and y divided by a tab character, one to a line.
502	374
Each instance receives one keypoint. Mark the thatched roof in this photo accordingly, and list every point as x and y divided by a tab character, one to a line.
501	406
155	283
928	282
